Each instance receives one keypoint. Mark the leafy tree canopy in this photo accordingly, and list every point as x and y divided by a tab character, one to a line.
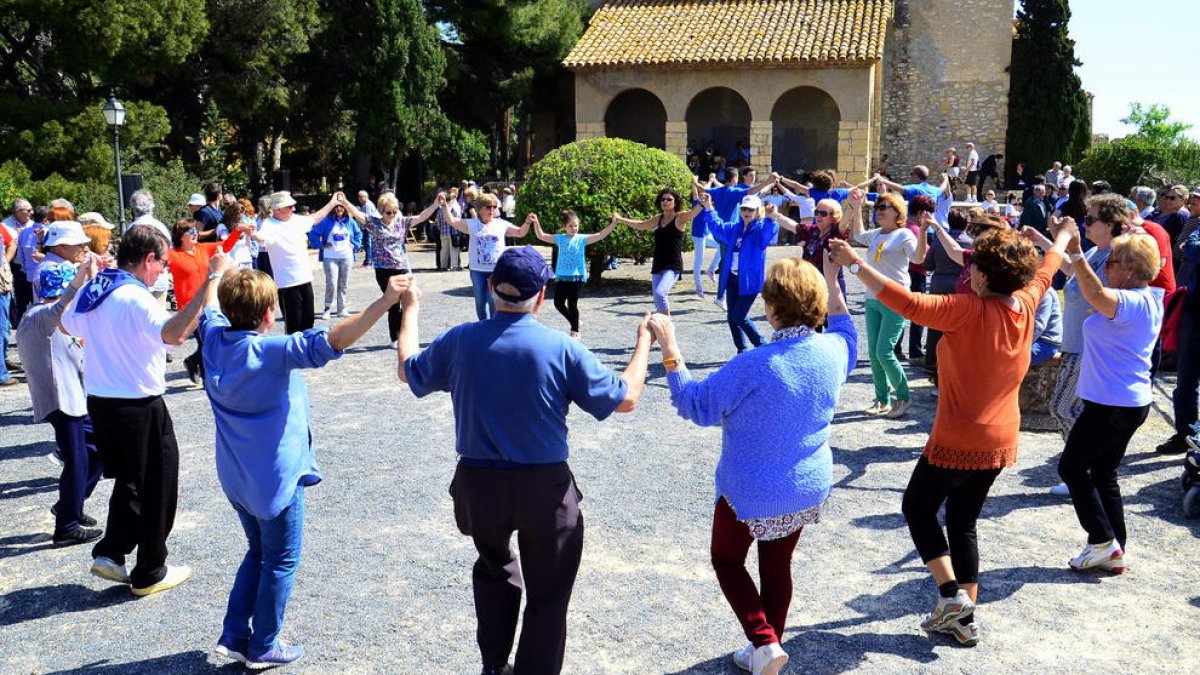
1155	126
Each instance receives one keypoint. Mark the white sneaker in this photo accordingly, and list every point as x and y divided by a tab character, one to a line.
1060	490
878	408
967	635
743	657
392	344
768	659
711	276
1107	556
176	574
107	569
720	304
948	610
344	313
325	314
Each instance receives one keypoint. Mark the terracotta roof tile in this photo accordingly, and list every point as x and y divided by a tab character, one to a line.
698	34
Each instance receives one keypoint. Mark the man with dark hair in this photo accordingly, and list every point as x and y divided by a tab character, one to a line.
126	331
989	169
210	215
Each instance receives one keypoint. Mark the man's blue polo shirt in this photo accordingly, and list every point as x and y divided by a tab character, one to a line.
512	381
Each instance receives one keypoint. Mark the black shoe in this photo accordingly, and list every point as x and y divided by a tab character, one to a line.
84	520
81	536
506	670
193	370
13	367
1175	445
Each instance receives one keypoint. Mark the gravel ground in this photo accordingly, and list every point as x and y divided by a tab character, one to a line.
385	583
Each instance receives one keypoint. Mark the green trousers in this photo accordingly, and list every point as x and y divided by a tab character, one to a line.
884	328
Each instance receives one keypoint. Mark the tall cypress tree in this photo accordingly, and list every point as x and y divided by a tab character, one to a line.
1049	116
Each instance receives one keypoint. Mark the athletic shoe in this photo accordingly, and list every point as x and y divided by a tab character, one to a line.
506	670
279	655
1060	490
107	569
700	294
55	456
193	369
392	344
234	650
344	313
324	315
948	610
81	535
768	659
878	408
1177	444
720	304
743	657
711	276
1096	555
176	574
84	520
899	409
967	635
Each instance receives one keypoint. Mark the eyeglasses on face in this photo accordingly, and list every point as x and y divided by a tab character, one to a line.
747	208
822	213
882	207
193	232
391	212
488	206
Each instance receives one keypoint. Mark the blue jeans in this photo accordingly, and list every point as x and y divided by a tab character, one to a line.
661	284
264	580
80	471
1042	352
5	300
485	306
737	312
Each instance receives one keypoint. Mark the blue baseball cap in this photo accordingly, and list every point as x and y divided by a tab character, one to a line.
53	279
523	269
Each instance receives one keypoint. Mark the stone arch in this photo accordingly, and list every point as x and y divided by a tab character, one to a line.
804	130
720	115
637	115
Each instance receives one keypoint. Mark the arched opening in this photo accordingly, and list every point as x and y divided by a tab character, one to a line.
637	115
718	120
805	131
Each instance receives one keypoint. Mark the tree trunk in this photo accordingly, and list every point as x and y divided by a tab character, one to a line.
596	268
277	150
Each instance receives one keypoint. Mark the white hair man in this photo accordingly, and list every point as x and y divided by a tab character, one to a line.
142	205
284	236
22	290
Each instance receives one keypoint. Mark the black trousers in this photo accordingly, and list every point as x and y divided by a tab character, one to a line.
1089	463
296	302
541	504
22	295
381	277
963	491
566	301
137	447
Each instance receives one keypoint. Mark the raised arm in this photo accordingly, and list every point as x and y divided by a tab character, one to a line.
786	183
348	331
231	239
647	224
895	187
593	238
358	216
784	222
854	205
518	232
179	327
541	235
408	344
448	215
324	210
1104	300
761	185
927	221
424	215
682	220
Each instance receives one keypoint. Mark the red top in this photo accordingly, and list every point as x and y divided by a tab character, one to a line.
188	270
982	357
1166	276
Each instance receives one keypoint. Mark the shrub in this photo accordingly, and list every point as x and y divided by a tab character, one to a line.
595	178
1124	163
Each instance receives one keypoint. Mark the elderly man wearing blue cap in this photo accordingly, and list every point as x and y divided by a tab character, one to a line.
512	381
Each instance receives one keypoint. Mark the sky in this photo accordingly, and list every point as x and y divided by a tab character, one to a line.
1139	52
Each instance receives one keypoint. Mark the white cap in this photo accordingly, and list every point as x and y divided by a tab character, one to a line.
94	218
281	200
196	199
751	202
65	232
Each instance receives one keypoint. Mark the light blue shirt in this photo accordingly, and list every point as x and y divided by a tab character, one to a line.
572	260
260	404
1075	308
1115	369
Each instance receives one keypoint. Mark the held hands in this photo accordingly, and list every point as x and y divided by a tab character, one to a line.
841	253
769	209
1039	240
662	329
857	198
831	269
706	201
89	267
219	262
440	199
409	293
397	286
926	220
643	329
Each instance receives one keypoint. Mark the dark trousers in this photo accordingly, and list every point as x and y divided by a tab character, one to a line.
918	283
763	615
541	504
1089	464
963	491
263	264
381	277
195	359
566	301
137	447
296	302
22	294
737	312
81	468
436	237
1187	378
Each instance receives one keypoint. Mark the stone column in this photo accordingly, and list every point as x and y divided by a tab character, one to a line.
588	130
761	142
854	150
676	139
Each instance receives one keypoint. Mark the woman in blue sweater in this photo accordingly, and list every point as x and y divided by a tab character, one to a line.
774	406
746	238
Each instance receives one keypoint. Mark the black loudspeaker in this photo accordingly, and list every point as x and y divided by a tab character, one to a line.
281	180
130	183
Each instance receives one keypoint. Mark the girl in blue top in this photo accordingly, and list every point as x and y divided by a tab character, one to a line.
746	237
570	274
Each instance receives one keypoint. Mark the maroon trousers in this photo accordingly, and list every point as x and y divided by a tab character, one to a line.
762	615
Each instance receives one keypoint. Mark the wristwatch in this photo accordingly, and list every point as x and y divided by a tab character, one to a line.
1074	257
672	363
855	267
216	275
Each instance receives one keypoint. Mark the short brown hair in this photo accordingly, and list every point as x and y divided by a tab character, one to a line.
1110	209
181	228
245	297
897	203
1138	253
796	292
1007	259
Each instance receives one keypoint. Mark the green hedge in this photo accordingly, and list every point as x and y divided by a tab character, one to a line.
1125	165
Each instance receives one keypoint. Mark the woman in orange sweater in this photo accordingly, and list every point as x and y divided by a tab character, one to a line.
978	420
188	262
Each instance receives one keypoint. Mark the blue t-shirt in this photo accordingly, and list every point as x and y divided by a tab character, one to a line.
726	199
260	405
512	381
1115	369
918	189
572	261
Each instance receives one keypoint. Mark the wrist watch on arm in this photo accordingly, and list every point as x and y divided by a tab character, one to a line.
854	267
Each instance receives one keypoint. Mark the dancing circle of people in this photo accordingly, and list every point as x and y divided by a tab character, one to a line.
512	380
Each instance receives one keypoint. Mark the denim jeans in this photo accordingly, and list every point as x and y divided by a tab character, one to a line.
264	581
737	313
5	301
484	305
701	244
661	283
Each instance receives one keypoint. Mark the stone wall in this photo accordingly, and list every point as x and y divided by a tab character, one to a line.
944	80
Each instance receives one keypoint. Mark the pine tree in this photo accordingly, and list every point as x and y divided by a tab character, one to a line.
1049	115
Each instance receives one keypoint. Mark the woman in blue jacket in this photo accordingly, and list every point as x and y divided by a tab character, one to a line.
746	238
336	239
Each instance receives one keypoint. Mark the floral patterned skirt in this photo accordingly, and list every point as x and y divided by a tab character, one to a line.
778	527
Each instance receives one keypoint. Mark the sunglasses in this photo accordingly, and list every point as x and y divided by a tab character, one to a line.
747	208
193	231
1171	197
389	213
1088	220
822	213
881	207
488	206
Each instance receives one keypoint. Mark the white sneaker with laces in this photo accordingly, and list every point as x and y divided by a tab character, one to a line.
1098	556
392	345
720	304
325	315
742	658
967	635
768	659
948	610
108	569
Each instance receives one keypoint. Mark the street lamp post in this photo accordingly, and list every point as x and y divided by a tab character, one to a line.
114	114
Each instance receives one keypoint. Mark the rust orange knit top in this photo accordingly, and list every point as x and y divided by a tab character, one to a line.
982	357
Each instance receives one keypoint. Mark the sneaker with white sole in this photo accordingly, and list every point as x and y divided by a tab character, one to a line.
344	313
324	315
1096	556
279	655
899	409
967	635
948	610
768	659
176	574
1060	490
234	650
743	658
108	569
720	304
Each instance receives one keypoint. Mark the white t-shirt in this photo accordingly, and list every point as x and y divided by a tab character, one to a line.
287	244
989	204
339	238
889	253
125	354
973	161
163	283
941	210
806	205
486	243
